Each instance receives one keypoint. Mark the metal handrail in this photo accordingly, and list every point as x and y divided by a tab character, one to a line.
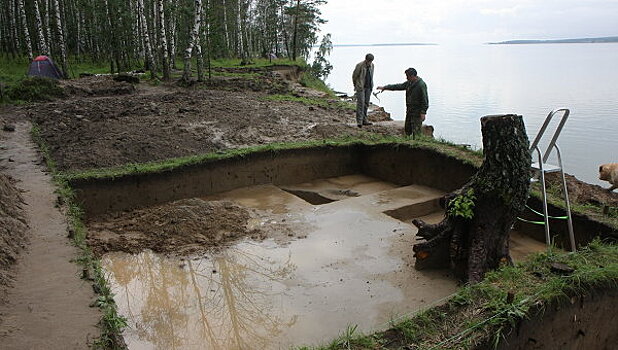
542	160
554	138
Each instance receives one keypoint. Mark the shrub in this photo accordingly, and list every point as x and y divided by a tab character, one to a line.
35	89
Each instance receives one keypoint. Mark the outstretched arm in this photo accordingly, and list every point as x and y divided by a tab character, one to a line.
401	86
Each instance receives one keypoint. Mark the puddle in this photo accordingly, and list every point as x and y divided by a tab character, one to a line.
352	265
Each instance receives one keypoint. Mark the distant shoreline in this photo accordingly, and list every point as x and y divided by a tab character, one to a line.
602	40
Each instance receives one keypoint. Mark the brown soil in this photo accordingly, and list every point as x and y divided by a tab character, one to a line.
584	193
182	227
47	305
157	123
13	228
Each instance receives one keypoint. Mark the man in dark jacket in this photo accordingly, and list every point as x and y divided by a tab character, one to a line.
417	101
362	78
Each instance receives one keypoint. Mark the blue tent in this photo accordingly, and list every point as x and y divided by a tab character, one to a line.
43	66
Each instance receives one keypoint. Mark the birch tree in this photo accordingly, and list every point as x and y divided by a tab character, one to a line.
150	61
128	33
195	31
43	48
226	32
163	41
24	26
61	41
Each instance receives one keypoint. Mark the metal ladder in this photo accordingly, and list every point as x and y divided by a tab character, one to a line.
541	167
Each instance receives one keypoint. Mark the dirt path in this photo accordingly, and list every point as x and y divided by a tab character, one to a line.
48	306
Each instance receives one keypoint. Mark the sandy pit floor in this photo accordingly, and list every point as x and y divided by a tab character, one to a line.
343	263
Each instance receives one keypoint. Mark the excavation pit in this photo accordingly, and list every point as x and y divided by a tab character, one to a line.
326	245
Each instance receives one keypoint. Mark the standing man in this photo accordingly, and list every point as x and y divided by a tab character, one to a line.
363	85
417	101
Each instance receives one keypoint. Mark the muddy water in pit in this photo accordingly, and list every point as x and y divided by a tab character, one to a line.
347	263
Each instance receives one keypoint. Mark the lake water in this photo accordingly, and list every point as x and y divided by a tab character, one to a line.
467	82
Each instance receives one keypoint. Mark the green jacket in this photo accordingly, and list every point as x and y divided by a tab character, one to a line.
417	99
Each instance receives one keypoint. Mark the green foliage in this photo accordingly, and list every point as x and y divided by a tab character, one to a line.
462	205
320	67
35	89
303	25
12	71
309	80
88	66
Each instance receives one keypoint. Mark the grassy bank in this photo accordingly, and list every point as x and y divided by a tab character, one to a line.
448	149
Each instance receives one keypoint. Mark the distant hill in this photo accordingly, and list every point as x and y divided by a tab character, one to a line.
607	39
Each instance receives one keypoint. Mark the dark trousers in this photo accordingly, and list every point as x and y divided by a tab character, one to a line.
413	123
362	103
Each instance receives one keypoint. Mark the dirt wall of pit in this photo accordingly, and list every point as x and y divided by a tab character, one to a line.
585	229
404	165
13	228
401	165
584	322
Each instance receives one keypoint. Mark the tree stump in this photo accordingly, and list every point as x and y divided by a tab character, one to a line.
473	237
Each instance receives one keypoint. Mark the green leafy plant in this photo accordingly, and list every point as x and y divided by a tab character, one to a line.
462	205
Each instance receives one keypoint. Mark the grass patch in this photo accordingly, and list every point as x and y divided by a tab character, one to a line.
111	323
177	163
34	89
481	315
311	81
13	70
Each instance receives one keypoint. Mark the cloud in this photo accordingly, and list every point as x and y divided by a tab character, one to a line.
365	21
500	11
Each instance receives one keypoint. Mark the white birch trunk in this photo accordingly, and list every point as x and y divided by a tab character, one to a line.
155	24
14	33
152	65
205	39
197	21
225	28
173	35
163	42
61	42
110	42
200	62
239	26
48	24
24	24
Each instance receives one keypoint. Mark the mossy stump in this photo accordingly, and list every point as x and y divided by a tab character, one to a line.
473	238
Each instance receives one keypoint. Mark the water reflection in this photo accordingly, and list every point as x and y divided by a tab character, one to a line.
210	303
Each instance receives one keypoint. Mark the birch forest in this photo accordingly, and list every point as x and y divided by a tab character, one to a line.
156	34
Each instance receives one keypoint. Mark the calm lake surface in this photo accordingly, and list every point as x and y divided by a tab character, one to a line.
470	81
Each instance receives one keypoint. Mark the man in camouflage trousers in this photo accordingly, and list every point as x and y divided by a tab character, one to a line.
417	101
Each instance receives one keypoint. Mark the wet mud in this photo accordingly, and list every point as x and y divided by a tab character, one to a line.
181	227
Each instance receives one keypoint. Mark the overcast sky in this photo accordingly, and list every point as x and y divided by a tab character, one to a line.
471	21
